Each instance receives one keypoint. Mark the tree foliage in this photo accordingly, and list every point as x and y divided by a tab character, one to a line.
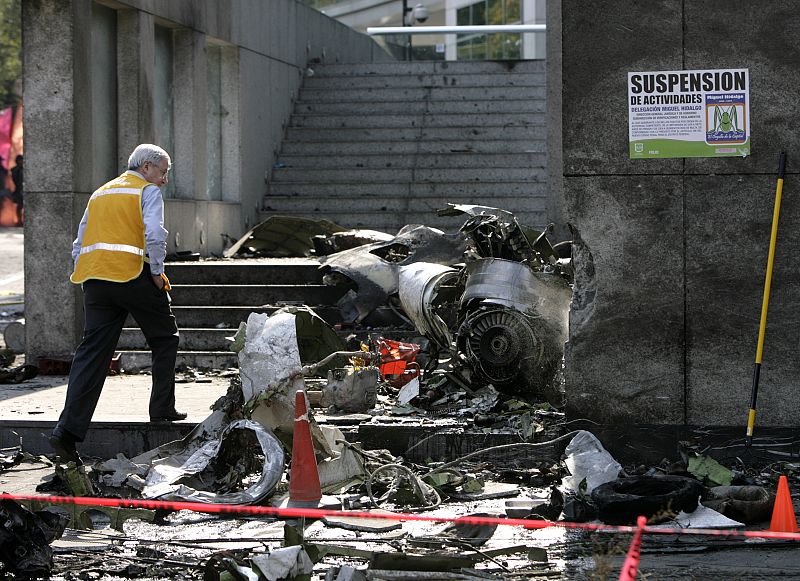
10	52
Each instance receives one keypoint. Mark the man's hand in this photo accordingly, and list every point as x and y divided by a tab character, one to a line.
158	281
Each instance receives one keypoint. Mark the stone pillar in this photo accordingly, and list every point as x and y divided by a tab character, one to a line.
555	153
625	356
135	79
671	252
57	100
231	140
533	44
190	125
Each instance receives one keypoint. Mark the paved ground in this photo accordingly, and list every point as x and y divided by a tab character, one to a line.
12	281
124	398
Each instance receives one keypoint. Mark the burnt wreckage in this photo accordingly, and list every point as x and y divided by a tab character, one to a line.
493	299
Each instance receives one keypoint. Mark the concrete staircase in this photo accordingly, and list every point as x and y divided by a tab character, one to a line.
371	146
211	298
383	145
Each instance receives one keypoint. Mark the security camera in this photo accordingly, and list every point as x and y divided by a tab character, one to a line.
420	13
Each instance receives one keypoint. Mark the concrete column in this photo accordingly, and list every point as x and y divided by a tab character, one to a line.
450	49
555	153
625	360
231	139
190	125
56	95
533	44
135	75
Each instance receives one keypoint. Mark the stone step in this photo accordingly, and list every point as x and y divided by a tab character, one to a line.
196	340
315	204
255	295
423	107
527	145
191	339
134	360
444	160
391	221
388	81
406	94
229	317
484	190
471	133
138	357
226	319
447	175
429	67
418	120
334	176
252	271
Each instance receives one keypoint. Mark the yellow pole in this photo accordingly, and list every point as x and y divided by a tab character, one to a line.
762	326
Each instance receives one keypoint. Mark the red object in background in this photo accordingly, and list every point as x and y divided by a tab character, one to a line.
11	145
53	366
6	121
398	361
8	212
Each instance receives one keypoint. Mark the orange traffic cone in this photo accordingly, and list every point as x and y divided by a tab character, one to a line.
783	519
304	484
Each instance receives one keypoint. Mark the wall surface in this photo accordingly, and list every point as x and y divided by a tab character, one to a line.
152	85
671	253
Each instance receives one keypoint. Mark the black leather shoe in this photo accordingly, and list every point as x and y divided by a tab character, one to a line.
173	416
65	449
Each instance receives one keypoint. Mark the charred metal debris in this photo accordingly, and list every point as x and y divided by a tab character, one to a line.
492	300
489	307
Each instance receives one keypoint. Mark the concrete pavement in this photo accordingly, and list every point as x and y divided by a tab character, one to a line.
121	423
124	398
12	277
30	409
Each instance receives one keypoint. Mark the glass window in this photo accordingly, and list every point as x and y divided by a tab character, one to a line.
464	16
491	46
513	12
479	13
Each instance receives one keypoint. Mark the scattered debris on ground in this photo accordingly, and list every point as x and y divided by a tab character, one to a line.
486	311
11	374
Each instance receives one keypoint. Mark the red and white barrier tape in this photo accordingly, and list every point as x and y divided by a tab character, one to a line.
628	573
315	513
631	565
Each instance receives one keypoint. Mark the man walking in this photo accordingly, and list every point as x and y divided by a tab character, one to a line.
119	259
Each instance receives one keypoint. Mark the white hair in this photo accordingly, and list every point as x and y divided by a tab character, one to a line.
147	152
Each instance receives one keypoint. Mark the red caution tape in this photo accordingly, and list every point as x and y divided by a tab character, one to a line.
631	565
316	513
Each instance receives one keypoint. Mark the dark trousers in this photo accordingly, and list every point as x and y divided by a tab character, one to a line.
106	306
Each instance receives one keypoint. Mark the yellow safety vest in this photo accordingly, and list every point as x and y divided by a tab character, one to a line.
113	241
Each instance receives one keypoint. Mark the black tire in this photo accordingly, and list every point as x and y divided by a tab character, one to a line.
622	501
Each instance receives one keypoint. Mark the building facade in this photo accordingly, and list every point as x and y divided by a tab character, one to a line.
211	81
361	14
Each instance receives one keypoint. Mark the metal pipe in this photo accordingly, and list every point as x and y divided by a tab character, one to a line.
405	24
480	29
312	368
762	327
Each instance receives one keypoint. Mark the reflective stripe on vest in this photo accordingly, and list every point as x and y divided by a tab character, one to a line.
116	247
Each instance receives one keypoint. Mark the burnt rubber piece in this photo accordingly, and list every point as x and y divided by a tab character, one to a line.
622	501
748	504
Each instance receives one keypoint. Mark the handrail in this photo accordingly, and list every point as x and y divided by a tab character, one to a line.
480	29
